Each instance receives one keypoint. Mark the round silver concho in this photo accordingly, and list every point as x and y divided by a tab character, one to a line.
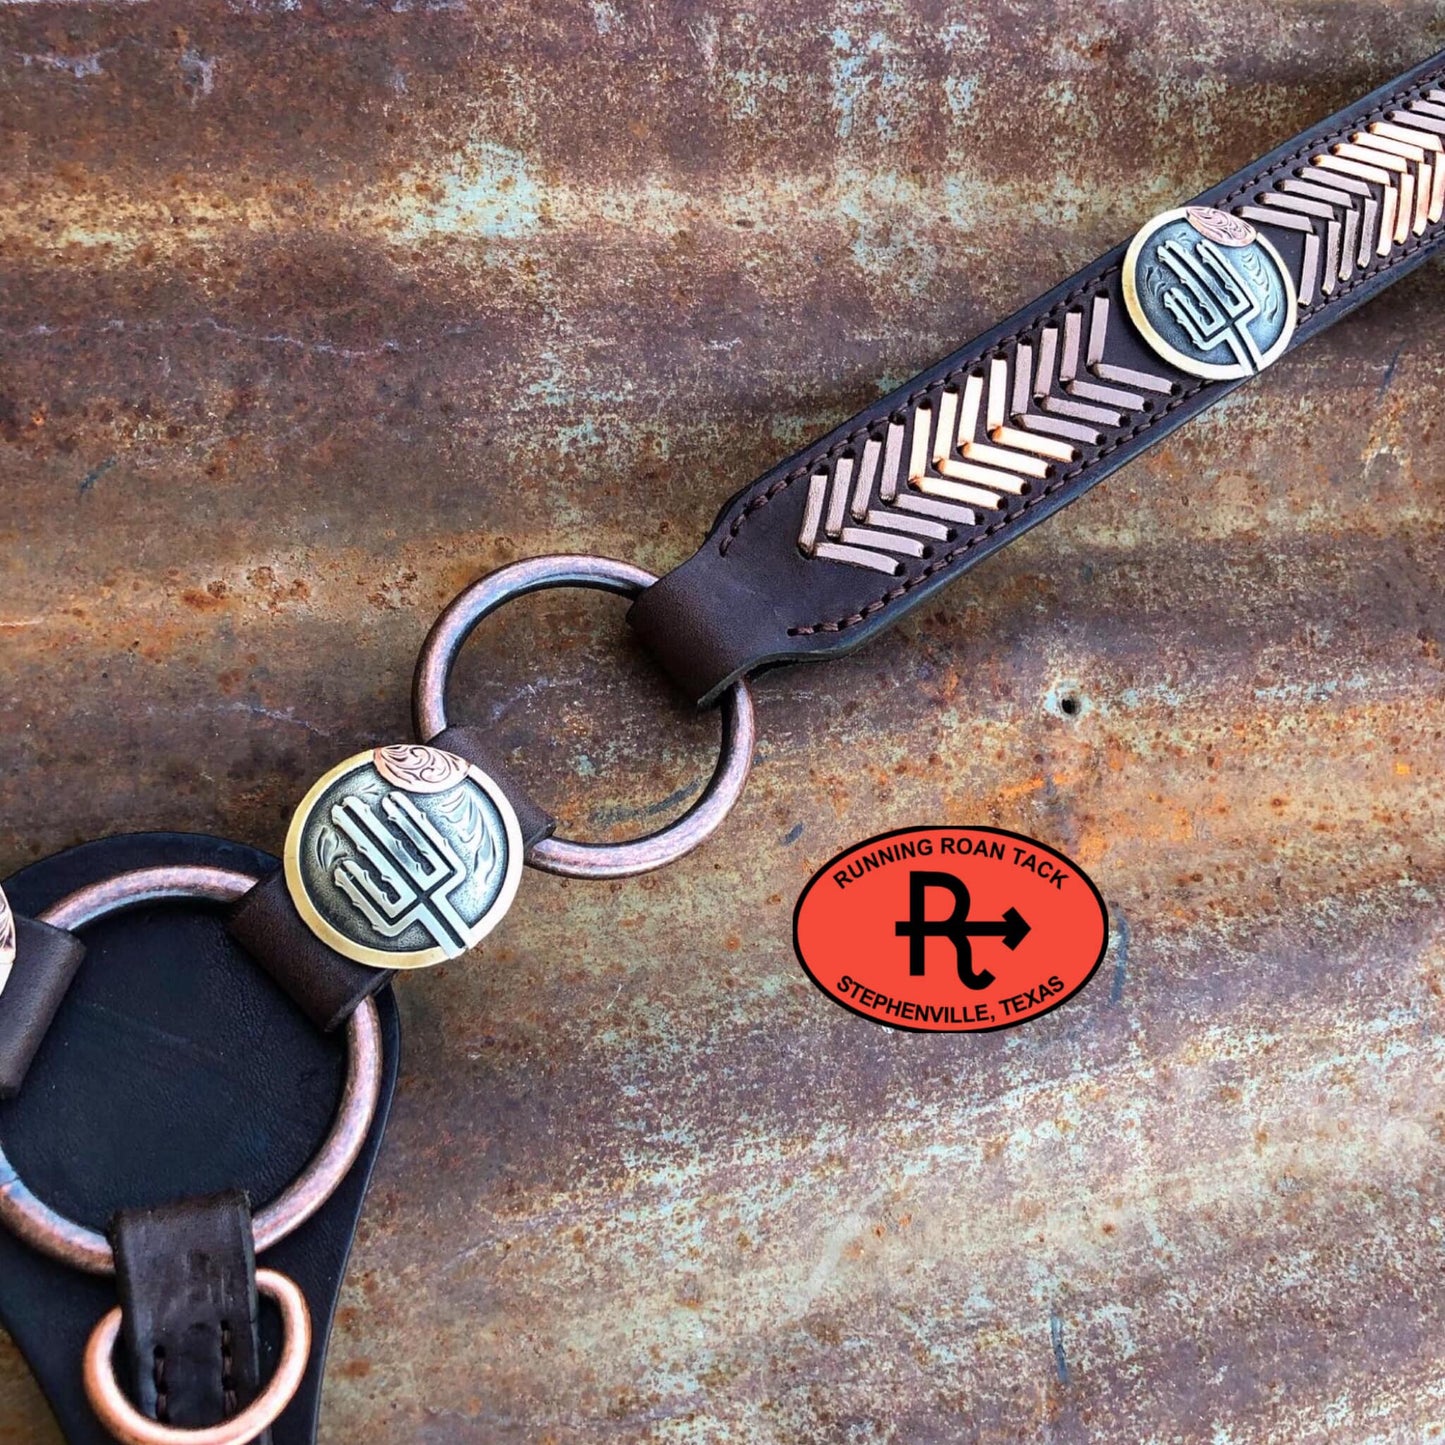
1209	294
403	857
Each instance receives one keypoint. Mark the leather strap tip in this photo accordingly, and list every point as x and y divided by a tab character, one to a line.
46	960
186	1274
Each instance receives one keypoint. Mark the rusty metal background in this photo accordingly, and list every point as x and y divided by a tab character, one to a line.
311	311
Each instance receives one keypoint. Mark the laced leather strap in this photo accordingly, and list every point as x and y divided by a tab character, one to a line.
839	541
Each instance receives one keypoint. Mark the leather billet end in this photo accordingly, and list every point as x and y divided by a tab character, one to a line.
46	960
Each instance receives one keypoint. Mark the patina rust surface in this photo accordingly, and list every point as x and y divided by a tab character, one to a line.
311	312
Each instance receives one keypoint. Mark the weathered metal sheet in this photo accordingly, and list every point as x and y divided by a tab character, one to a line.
310	312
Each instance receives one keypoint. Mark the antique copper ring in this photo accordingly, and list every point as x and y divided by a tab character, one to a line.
130	1427
570	858
87	1249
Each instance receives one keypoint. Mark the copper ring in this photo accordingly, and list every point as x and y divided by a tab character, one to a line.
130	1427
43	1228
563	855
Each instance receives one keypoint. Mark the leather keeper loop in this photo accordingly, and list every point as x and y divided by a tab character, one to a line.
476	747
46	960
326	987
188	1355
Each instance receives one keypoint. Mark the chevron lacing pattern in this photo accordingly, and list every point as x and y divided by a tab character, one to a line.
1362	198
973	445
952	457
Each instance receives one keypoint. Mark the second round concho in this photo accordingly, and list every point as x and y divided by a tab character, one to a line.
403	857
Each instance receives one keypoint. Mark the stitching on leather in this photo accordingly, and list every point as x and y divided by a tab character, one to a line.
1000	348
228	1373
939	563
1419	244
936	566
996	352
158	1377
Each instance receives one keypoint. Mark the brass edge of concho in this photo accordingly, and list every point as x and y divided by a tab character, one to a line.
1188	364
7	940
378	957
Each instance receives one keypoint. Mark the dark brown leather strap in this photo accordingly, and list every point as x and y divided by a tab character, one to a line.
45	963
188	1354
794	567
323	984
477	748
326	987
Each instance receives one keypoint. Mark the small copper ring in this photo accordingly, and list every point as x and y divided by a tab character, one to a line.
130	1427
49	1231
563	855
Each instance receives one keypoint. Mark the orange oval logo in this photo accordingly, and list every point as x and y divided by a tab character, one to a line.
950	930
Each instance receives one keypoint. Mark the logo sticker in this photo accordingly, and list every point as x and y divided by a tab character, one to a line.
950	930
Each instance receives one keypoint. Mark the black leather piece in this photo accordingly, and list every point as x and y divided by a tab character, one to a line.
186	1274
476	747
45	962
174	1068
751	598
324	985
